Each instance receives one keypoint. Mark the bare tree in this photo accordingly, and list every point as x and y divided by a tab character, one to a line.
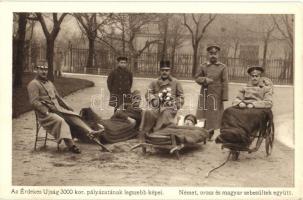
197	25
176	37
50	36
18	62
89	25
130	26
284	24
265	27
163	29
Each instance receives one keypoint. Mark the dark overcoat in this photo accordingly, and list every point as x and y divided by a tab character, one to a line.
119	83
213	79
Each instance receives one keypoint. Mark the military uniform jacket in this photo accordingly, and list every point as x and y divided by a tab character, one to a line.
213	79
259	96
44	97
119	83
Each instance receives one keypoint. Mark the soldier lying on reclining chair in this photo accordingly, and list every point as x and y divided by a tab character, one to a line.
123	125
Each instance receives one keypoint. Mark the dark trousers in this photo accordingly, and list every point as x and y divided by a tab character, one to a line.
78	127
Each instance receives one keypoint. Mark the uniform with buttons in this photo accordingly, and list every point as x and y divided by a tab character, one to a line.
119	83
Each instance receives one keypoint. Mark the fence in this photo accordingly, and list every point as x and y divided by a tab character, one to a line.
280	71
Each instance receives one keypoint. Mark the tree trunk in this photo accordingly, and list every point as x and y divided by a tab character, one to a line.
265	51
173	51
18	67
123	41
91	51
50	44
164	47
195	60
236	49
134	63
291	70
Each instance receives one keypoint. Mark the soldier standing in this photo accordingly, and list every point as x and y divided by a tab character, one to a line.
213	78
119	83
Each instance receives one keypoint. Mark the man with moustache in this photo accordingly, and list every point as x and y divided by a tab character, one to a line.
53	113
258	91
213	78
162	113
250	112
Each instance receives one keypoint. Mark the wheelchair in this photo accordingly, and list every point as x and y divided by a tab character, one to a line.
266	132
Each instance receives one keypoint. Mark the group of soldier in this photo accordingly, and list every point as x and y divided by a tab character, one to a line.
165	96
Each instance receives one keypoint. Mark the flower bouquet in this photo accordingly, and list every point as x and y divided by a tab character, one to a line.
165	97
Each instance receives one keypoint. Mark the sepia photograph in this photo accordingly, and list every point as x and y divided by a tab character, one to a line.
149	99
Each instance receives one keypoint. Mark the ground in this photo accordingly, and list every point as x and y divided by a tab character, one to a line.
131	168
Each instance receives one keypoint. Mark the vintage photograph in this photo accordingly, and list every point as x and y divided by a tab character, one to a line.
153	99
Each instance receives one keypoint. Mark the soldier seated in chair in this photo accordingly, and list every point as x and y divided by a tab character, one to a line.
53	113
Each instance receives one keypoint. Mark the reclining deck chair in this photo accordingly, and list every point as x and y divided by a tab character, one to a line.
173	138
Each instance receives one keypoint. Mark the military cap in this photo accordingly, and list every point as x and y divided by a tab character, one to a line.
191	118
136	93
122	58
42	67
253	68
213	48
164	64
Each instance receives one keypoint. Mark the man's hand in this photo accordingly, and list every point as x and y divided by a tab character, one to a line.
242	105
70	108
154	102
250	106
208	80
200	80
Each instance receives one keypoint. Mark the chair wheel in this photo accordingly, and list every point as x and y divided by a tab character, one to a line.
144	150
177	154
235	155
269	141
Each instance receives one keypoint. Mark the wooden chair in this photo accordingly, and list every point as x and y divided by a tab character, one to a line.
44	137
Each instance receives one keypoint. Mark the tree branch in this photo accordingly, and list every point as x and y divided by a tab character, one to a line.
189	28
147	44
42	22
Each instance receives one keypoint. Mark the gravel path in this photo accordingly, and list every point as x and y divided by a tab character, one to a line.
132	168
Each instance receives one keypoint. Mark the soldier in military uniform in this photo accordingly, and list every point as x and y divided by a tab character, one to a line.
53	113
251	111
213	78
161	113
119	83
258	91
